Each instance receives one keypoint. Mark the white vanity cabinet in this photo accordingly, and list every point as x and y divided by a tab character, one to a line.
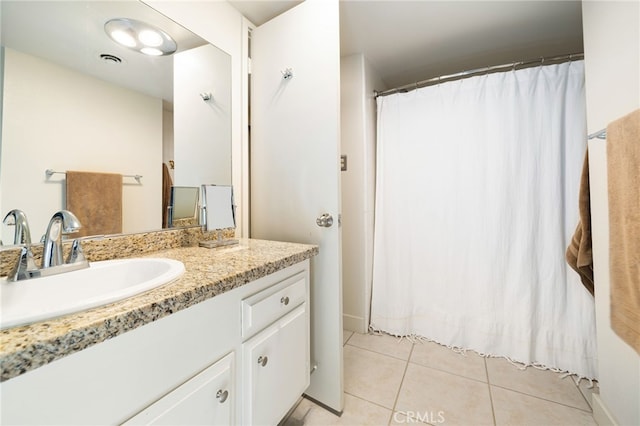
206	399
275	366
196	366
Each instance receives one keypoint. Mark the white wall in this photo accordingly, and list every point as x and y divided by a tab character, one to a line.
372	82
202	129
358	132
75	122
612	68
220	24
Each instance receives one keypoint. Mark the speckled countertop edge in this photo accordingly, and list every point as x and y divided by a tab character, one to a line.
209	272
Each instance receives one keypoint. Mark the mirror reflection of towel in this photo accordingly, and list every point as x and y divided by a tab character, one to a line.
96	200
167	183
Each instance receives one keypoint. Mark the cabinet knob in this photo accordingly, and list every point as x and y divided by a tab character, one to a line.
222	395
263	360
285	300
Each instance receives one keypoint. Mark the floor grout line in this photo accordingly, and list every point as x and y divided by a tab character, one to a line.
348	338
382	353
372	403
404	373
542	399
449	372
493	409
589	403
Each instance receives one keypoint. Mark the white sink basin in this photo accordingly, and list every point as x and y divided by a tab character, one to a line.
37	299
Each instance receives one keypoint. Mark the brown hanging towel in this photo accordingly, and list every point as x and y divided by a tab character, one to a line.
579	255
623	171
96	200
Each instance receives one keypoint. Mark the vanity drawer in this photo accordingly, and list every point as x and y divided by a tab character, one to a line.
261	309
206	399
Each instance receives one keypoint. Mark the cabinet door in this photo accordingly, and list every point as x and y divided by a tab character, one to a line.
205	399
276	368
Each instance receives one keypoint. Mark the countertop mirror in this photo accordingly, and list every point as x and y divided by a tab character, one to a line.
74	100
184	206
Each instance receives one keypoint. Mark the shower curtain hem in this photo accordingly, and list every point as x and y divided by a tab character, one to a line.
416	338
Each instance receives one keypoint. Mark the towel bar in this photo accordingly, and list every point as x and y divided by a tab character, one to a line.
51	172
600	134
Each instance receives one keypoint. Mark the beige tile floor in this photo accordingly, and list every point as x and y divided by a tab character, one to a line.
388	381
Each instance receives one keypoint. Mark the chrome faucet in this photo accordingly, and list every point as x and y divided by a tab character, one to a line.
25	264
21	234
62	222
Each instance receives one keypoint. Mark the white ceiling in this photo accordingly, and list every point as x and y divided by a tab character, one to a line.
261	11
405	41
408	41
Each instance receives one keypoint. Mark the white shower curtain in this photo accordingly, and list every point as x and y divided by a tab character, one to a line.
476	200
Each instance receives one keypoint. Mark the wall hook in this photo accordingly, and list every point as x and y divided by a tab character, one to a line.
287	74
206	96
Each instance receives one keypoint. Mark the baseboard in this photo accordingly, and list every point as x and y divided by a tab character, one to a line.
601	413
354	323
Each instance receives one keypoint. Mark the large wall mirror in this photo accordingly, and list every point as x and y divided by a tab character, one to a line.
74	100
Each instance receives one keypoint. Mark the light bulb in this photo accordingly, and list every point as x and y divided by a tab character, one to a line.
123	38
151	51
150	38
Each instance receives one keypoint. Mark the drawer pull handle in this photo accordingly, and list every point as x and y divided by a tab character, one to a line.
263	360
285	300
222	395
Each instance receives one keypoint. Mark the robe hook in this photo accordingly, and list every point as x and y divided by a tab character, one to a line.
287	74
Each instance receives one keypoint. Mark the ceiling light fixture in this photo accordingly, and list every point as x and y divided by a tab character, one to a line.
140	36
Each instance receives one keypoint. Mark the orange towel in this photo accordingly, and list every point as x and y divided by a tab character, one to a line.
579	254
96	200
623	170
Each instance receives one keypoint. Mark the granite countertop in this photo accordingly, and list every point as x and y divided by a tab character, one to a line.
209	272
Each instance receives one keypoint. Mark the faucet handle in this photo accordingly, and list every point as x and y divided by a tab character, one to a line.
76	255
25	266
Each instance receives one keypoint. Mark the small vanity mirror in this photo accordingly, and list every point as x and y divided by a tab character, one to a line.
183	207
218	206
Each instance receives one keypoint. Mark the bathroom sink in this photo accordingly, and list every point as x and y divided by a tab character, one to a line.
37	299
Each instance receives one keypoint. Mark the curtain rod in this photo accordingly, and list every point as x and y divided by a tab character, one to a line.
483	70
